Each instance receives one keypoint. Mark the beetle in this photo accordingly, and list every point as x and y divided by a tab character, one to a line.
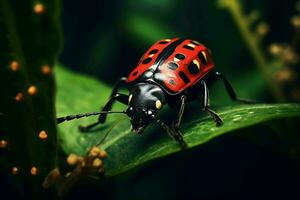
172	71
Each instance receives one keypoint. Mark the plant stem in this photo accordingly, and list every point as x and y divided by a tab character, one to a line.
252	43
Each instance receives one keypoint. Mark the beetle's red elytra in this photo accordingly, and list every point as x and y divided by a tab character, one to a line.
172	72
175	64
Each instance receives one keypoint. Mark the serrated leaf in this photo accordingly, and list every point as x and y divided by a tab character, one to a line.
79	94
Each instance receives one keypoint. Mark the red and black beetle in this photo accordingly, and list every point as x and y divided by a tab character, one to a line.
173	72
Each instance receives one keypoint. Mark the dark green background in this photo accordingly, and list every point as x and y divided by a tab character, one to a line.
100	36
107	38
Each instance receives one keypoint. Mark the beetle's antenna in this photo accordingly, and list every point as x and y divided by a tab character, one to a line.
109	130
77	116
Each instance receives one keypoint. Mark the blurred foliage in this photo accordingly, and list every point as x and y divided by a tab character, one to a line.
128	28
30	39
282	82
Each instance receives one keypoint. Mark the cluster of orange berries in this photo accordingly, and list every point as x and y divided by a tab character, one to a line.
288	76
32	90
89	165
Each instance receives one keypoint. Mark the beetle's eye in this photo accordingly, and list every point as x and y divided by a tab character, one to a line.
158	104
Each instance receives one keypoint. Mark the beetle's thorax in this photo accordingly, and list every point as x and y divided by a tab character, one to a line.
145	100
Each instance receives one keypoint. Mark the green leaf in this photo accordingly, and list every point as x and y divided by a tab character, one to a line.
79	94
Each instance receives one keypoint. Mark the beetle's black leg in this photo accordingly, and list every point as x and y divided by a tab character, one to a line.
176	135
206	106
120	83
177	121
108	106
232	94
115	96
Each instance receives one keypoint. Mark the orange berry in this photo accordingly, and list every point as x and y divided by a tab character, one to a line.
43	135
32	90
38	8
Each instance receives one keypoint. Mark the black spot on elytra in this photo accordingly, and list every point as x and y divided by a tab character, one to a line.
180	56
147	60
184	77
154	51
202	58
193	68
188	47
172	65
172	82
163	42
135	73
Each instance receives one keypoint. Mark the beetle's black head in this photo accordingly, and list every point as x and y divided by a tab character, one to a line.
145	100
